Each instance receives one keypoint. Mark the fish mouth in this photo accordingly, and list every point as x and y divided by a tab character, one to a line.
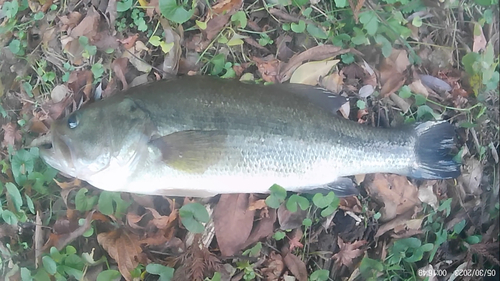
56	152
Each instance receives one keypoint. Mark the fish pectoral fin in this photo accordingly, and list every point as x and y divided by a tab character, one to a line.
342	187
191	151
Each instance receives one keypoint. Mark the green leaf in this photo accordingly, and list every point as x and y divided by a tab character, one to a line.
320	275
175	13
25	274
38	16
338	40
425	110
328	210
97	69
370	21
241	18
105	203
298	27
474	239
295	200
84	203
485	3
361	104
30	204
386	45
124	5
10	8
347	58
83	40
49	265
468	61
417	21
9	217
279	235
155	40
359	37
16	48
420	100
192	215
405	92
316	31
322	201
107	275
15	196
166	273
307	222
340	3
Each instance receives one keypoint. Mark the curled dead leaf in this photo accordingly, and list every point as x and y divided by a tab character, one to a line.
348	252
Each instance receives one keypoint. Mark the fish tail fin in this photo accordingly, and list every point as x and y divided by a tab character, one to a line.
433	144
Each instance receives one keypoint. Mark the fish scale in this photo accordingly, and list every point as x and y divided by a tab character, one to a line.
201	136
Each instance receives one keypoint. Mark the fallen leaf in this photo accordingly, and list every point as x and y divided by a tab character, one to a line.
62	240
171	61
392	84
313	54
88	26
395	192
348	252
426	194
257	205
233	222
134	54
273	267
120	67
162	222
59	93
401	222
310	73
294	239
11	134
129	42
268	68
124	248
472	173
479	39
226	6
333	82
70	21
264	228
350	203
296	266
283	52
290	220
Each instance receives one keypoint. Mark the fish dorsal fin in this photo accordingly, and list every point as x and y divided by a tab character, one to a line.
321	97
192	151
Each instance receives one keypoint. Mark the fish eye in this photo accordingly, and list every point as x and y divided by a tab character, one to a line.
73	121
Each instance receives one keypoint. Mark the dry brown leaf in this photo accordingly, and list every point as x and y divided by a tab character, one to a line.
348	252
171	60
257	205
395	192
426	194
401	224
62	240
392	84
315	53
310	73
233	222
296	266
124	248
268	68
472	173
111	11
80	83
59	93
418	88
289	220
129	42
226	6
134	54
283	52
70	20
263	229
11	134
120	67
479	39
162	222
273	267
333	82
133	220
88	26
350	203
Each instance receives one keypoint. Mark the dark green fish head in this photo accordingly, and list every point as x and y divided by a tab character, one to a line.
91	139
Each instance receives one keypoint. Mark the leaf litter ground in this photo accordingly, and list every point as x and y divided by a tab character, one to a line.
59	57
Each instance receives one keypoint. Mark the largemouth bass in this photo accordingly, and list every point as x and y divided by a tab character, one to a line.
202	136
